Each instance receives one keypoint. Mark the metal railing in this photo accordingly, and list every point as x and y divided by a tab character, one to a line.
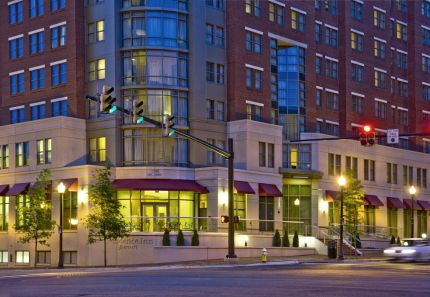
372	231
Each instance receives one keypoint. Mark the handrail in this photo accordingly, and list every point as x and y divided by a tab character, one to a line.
346	241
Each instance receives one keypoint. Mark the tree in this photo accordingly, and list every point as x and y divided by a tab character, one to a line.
296	239
353	200
105	221
195	239
180	239
34	215
277	239
286	240
166	237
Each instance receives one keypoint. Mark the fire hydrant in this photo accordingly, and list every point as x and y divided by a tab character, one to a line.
264	254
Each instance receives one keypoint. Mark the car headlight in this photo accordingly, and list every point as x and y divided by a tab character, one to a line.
408	251
389	251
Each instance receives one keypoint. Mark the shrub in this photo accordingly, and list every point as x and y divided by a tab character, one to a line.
195	240
398	240
357	241
296	239
277	238
166	237
180	239
392	240
286	240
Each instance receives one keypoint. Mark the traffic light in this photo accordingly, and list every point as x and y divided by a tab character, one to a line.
224	219
138	111
106	100
236	219
367	136
168	125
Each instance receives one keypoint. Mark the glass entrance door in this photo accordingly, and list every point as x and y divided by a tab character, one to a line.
154	217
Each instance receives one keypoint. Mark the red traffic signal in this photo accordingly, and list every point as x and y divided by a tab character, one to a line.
367	135
224	219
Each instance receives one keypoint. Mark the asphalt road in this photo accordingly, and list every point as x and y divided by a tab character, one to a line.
346	279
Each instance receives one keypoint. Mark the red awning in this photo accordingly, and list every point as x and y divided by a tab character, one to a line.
331	196
424	204
3	190
407	203
71	184
372	200
243	187
18	189
155	184
269	190
393	202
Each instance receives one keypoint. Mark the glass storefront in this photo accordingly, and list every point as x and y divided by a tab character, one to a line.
240	210
297	207
422	222
392	221
4	213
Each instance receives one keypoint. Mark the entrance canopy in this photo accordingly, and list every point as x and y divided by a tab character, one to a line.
269	190
393	202
425	205
18	189
243	187
372	200
407	203
160	184
3	190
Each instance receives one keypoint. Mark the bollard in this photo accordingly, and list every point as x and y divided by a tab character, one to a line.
264	254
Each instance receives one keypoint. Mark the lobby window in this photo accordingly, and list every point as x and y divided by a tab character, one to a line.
97	70
425	33
425	63
58	36
331	68
356	10
357	73
37	111
254	112
70	210
331	36
298	21
253	7
57	4
425	8
22	257
4	156
21	202
37	79
58	74
22	154
96	31
332	100
43	257
426	92
357	104
357	41
351	164
401	31
37	42
380	79
16	48
334	164
98	149
70	257
17	115
276	13
378	18
4	217
402	88
262	154
379	48
36	8
44	151
318	64
253	42
318	98
219	4
369	170
15	13
318	33
380	109
391	173
402	116
254	79
59	108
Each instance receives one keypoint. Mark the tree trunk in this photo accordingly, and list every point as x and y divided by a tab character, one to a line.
35	252
104	242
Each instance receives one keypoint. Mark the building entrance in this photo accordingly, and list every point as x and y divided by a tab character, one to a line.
154	217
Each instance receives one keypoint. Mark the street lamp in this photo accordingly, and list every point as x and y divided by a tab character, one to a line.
412	192
341	181
61	188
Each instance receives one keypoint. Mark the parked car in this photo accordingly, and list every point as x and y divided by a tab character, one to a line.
410	249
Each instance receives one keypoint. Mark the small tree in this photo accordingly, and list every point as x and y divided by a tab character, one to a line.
180	239
105	221
195	240
286	240
166	237
398	240
277	238
353	200
392	240
296	239
34	221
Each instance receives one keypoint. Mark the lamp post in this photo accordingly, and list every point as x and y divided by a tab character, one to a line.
341	182
412	192
61	188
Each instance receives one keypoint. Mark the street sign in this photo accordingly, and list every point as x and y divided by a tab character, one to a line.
392	136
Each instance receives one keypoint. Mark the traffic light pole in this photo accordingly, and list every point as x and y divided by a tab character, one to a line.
357	137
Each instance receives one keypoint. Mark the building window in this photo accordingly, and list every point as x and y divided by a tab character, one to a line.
298	21
17	83
318	64
318	33
22	257
357	104
425	64
98	149
59	108
37	42
276	13
318	98
220	74
331	68
379	19
426	92
16	48
380	79
400	5
401	32
215	3
391	173
22	154
4	156
380	109
369	170
4	256
425	8
37	112
425	33
97	70
214	35
379	49
37	79
4	216
332	128
96	31
357	10
17	115
253	7
402	88
357	73
254	79
57	4
254	112
43	257
44	151
15	13
331	36
219	36
220	111
270	155
352	166
70	257
332	100
402	116
334	164
58	74
210	109
402	60
262	154
36	8
70	210
357	41
58	36
212	76
253	42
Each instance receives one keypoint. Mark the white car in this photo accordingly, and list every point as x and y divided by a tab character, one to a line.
410	249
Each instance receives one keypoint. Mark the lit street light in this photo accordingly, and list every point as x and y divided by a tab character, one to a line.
61	188
341	182
412	192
